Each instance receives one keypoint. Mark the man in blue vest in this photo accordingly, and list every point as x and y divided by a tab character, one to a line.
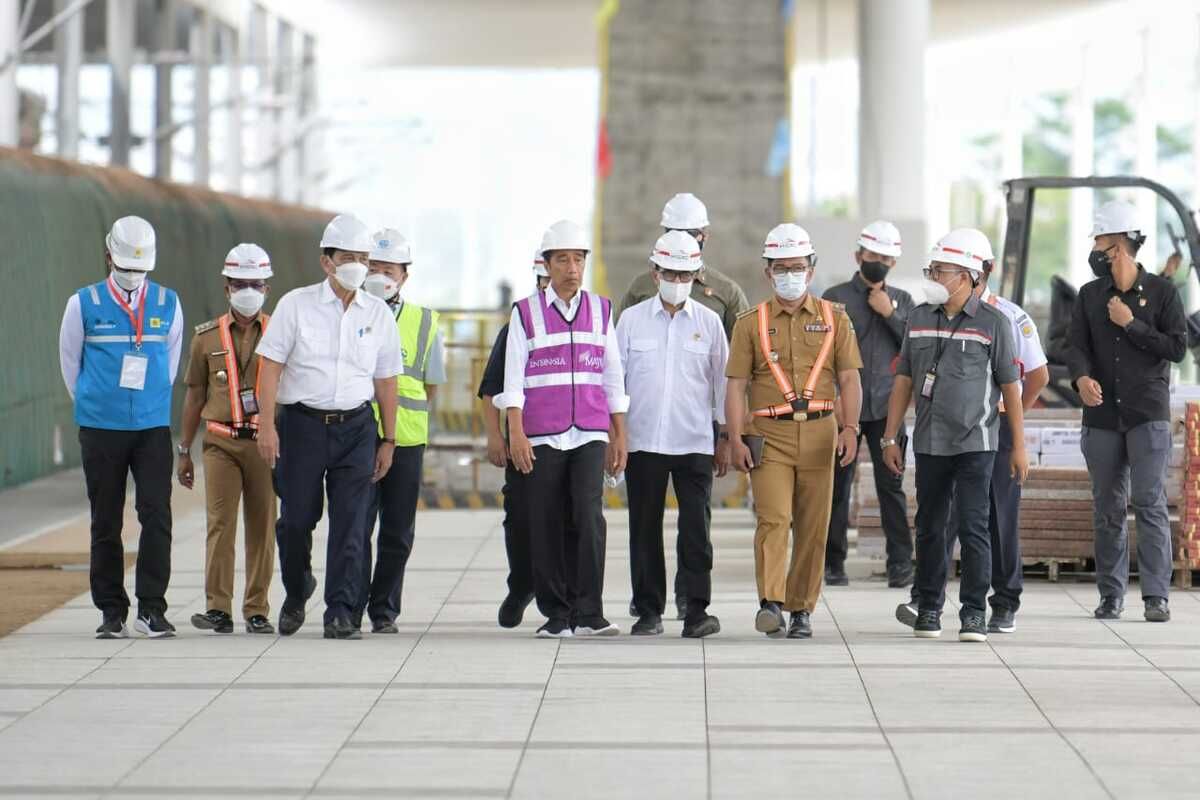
119	348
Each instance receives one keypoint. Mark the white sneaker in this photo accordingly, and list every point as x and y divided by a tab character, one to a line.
554	629
598	627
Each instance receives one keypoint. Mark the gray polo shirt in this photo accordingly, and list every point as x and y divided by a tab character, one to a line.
977	358
879	340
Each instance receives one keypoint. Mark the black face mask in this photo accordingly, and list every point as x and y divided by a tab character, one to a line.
874	271
1100	262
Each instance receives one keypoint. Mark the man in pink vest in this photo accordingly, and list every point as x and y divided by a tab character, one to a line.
564	390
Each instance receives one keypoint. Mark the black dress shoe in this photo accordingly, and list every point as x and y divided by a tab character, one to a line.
1157	610
340	628
647	625
900	577
112	626
769	619
800	627
310	585
383	626
836	577
512	610
701	626
213	620
1110	607
680	608
259	624
290	620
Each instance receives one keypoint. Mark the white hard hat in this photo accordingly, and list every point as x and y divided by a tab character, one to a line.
566	235
678	251
539	264
247	262
787	241
1115	216
965	247
881	237
347	232
685	212
390	246
131	244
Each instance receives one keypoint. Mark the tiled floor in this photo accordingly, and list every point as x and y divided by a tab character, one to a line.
1068	707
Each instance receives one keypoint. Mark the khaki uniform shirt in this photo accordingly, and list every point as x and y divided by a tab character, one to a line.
711	289
206	365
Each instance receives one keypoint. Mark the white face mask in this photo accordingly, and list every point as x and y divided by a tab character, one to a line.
381	286
935	293
247	302
674	293
129	281
351	275
791	285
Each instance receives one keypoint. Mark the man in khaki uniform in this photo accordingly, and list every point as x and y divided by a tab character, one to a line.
222	381
794	353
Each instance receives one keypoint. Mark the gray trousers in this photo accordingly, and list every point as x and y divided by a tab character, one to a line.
1127	469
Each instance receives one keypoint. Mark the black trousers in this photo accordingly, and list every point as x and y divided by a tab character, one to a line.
893	505
394	504
315	458
109	457
567	482
516	535
646	476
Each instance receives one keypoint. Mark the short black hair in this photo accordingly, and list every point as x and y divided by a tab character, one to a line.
328	251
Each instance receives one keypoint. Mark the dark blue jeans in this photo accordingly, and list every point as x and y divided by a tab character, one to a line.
939	480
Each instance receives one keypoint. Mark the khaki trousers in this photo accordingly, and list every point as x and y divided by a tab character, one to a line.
233	468
793	490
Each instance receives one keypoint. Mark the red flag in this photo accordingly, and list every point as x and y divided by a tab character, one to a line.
603	152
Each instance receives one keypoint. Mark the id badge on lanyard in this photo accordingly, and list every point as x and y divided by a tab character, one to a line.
927	385
249	402
133	371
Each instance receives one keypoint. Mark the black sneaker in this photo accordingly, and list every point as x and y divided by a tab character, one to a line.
595	626
1157	610
900	577
340	628
383	626
800	627
906	614
1110	607
647	625
680	608
259	624
555	629
769	619
213	620
112	626
290	620
701	625
927	625
1004	620
974	628
512	610
836	577
154	625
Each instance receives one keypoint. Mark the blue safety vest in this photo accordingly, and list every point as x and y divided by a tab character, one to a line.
108	334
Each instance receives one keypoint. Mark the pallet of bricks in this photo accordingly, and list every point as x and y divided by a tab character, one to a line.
1187	541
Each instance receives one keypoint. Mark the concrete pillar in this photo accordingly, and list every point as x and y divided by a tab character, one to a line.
260	57
233	43
891	116
120	27
283	168
200	44
10	100
1082	108
306	148
1145	112
164	42
68	49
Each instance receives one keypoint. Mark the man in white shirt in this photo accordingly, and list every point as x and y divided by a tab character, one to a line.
673	351
563	392
329	350
119	350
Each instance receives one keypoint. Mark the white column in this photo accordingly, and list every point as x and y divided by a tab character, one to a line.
164	43
68	48
10	100
201	45
283	170
233	44
1083	135
1146	159
307	148
120	27
260	47
891	116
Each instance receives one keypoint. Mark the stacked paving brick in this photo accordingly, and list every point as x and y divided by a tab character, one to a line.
1187	541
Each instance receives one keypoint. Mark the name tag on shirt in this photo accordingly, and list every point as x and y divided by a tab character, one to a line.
133	371
816	327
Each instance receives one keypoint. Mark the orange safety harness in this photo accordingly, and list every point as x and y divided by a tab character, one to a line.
798	407
242	428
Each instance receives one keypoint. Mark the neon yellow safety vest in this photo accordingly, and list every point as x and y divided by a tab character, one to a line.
417	327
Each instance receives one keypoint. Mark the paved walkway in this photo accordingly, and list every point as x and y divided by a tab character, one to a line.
1068	707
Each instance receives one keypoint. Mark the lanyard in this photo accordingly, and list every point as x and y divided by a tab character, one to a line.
141	315
941	343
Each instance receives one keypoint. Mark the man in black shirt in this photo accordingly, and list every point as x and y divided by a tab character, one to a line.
1127	328
879	313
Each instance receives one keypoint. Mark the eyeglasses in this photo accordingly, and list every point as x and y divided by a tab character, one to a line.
937	273
675	276
800	269
237	285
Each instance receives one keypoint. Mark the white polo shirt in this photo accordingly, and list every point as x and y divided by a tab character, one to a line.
674	376
331	355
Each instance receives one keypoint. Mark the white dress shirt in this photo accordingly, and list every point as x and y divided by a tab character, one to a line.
674	375
331	354
516	353
70	337
1025	333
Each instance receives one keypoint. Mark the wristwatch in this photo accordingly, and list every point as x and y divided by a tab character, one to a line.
183	449
887	443
389	441
855	427
723	436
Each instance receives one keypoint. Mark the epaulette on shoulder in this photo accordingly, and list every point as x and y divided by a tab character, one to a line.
748	312
205	327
